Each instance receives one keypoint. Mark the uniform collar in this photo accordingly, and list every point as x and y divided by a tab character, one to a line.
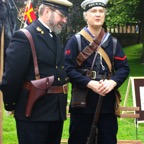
45	25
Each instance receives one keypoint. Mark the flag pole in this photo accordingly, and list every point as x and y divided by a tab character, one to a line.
1	73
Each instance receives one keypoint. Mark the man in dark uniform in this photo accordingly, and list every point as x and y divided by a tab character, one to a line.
45	124
100	84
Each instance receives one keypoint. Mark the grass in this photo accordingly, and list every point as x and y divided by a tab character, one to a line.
127	126
9	130
127	129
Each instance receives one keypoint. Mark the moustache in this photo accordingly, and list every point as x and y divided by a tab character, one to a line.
62	24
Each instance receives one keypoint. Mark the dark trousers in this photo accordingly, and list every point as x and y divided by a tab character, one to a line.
80	126
39	132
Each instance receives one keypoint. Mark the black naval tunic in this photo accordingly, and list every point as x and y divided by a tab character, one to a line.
20	68
82	118
77	78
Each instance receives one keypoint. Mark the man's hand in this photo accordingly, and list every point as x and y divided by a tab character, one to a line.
107	86
9	113
95	86
102	87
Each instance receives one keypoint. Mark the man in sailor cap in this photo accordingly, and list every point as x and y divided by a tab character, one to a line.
100	83
45	124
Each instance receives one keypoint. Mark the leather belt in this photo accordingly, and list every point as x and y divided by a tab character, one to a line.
93	74
53	89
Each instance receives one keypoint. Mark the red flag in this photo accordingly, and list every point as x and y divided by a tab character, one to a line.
29	14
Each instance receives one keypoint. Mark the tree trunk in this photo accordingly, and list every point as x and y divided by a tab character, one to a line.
140	11
142	41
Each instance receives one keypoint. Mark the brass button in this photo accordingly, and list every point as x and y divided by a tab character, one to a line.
56	67
42	32
58	79
62	67
67	79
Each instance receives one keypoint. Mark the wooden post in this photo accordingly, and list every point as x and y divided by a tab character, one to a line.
1	72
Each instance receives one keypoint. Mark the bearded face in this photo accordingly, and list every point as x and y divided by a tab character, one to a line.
56	24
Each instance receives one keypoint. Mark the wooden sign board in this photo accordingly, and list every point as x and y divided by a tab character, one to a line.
137	85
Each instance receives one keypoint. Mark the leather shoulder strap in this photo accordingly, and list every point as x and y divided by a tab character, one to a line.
106	58
29	36
100	50
88	50
86	35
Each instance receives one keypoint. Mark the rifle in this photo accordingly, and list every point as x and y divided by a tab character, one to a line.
93	137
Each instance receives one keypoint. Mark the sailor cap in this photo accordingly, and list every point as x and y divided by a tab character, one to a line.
87	4
62	5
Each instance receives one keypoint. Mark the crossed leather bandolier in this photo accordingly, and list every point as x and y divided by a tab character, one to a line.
91	48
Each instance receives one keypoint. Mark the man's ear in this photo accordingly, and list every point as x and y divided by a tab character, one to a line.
47	12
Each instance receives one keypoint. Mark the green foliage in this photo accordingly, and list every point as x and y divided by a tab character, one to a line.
122	12
76	21
118	12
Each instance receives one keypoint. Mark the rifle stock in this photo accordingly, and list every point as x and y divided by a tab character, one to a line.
38	89
92	139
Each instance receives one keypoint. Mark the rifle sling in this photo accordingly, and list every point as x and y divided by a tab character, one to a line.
81	57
